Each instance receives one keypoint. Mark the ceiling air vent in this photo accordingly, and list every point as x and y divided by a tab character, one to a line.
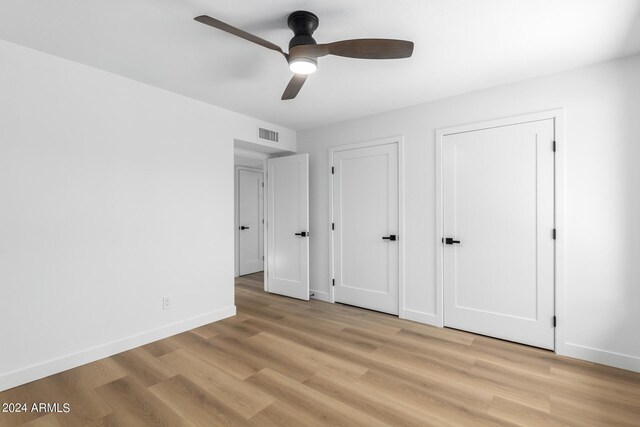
268	135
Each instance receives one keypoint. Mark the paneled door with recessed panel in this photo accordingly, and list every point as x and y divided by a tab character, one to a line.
366	235
250	245
498	226
288	226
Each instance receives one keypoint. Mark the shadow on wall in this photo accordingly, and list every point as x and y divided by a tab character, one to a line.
631	43
631	189
623	216
631	179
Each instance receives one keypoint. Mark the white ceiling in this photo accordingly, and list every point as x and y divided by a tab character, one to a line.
460	46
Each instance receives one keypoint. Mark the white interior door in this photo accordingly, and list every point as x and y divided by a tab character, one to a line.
498	200
250	246
365	214
288	226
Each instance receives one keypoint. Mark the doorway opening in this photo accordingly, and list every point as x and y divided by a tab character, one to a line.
248	179
272	217
249	216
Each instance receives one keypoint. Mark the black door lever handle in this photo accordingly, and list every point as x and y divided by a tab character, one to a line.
302	234
391	237
450	241
244	227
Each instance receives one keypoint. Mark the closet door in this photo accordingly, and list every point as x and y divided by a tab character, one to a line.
365	212
498	218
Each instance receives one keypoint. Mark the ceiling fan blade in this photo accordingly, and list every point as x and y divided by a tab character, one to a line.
207	20
294	86
358	48
372	48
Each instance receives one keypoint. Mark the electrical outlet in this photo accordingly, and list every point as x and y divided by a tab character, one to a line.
167	302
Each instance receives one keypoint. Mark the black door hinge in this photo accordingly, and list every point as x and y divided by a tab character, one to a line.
333	282
333	225
332	170
554	321
554	146
554	234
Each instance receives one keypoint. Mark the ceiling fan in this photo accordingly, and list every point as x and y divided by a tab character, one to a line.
304	51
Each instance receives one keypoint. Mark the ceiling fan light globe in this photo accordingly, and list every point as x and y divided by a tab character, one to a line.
303	66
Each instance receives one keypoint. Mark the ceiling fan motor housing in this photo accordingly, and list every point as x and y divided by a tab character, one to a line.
303	24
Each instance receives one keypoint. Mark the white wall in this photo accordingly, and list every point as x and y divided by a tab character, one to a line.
601	314
113	194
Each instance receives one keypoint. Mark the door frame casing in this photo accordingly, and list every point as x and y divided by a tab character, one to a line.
265	233
557	115
236	215
399	140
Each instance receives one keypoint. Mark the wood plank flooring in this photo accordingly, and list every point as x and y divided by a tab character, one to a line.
283	362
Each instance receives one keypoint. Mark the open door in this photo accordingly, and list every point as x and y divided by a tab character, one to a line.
288	226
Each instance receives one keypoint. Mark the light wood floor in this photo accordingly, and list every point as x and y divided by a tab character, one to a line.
284	362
